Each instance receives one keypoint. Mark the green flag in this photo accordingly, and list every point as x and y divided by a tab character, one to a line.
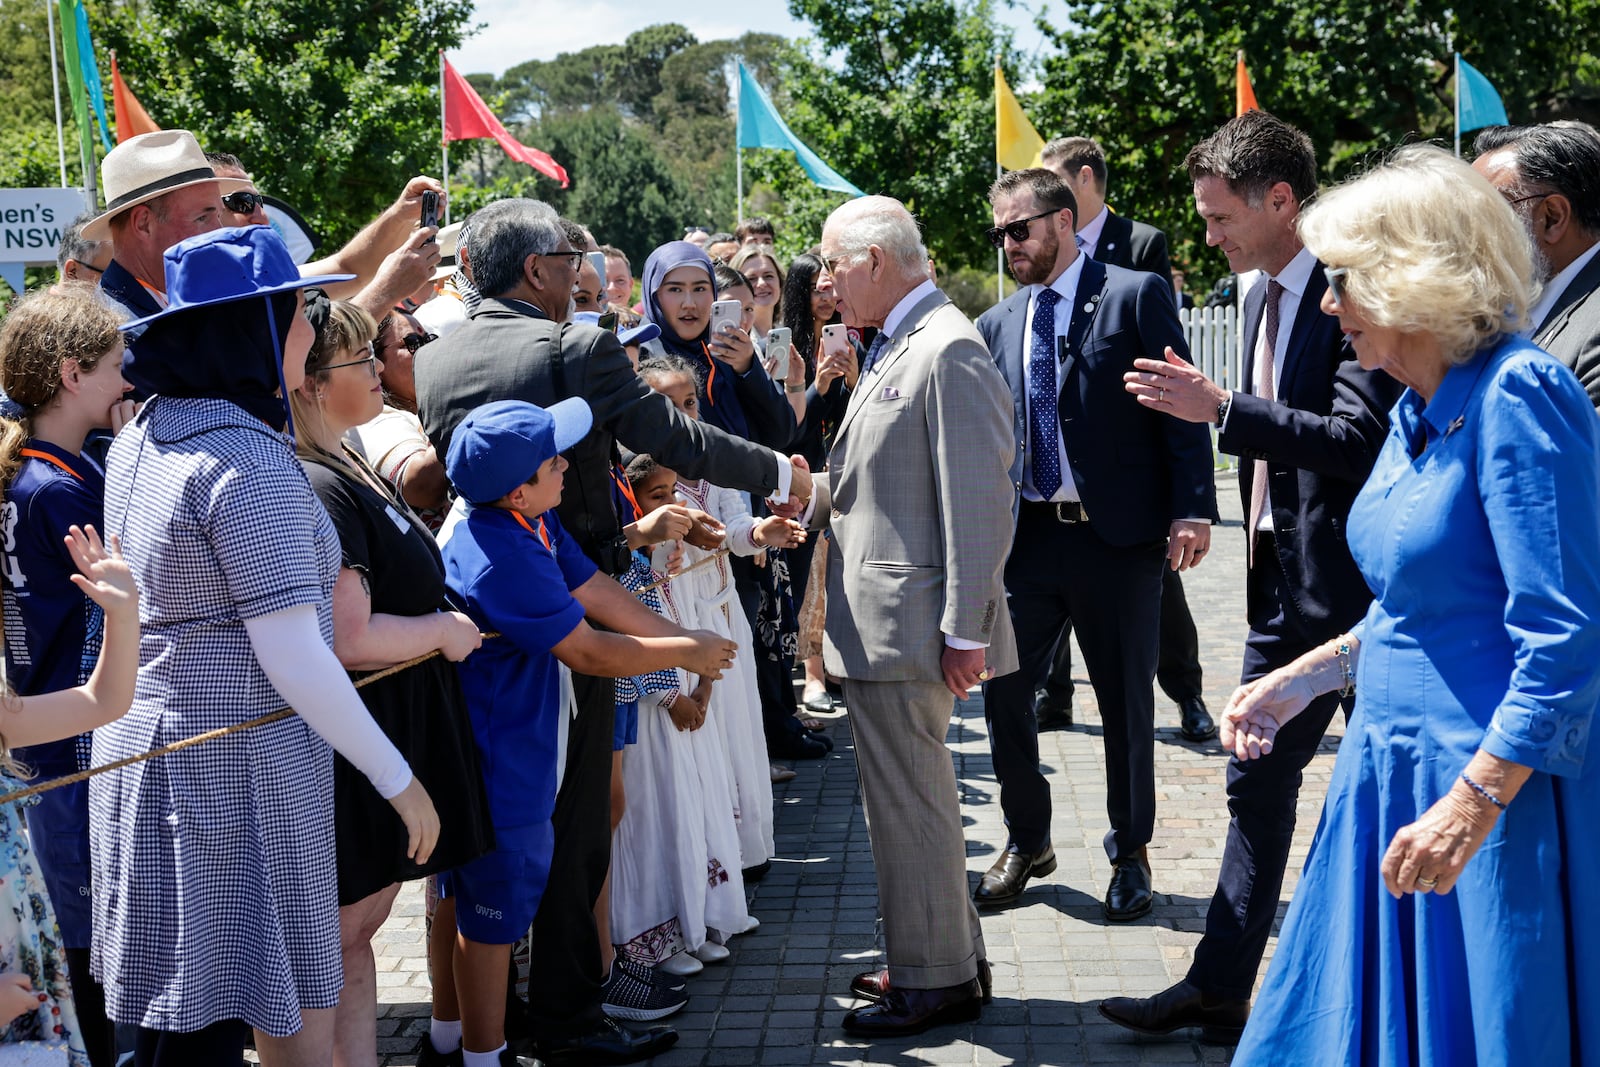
72	71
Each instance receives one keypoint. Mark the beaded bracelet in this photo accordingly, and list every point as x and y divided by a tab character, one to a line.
1482	792
1346	674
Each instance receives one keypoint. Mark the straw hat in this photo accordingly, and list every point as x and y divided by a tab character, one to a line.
151	165
447	238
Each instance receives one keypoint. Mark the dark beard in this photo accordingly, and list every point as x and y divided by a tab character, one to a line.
1036	271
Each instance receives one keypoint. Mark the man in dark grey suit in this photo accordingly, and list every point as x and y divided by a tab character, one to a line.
1118	241
517	347
918	496
1113	494
1551	177
1308	429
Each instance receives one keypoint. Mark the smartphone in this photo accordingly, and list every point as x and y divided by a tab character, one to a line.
661	554
598	261
835	339
778	349
725	313
608	322
430	209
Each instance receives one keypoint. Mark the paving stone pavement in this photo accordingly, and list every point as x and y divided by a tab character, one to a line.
780	998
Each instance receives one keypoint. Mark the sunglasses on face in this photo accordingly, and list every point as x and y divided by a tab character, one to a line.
1017	231
414	341
243	202
1336	277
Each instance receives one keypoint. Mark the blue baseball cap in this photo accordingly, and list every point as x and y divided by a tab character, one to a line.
500	445
638	335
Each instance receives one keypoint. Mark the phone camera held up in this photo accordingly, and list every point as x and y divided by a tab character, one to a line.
430	210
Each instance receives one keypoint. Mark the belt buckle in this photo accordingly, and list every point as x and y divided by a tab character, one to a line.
1070	512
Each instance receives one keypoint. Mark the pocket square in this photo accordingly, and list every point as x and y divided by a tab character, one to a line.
889	393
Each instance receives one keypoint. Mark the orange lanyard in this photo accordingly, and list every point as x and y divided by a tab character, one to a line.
155	294
542	534
627	491
711	375
34	453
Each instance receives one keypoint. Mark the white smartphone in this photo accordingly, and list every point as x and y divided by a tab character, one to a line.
660	554
778	350
835	339
598	261
725	313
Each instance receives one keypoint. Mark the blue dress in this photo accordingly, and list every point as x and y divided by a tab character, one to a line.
1485	633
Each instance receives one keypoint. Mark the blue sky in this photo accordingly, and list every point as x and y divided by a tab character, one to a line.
519	30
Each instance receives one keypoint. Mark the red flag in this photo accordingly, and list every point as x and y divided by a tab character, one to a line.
466	116
132	119
1244	96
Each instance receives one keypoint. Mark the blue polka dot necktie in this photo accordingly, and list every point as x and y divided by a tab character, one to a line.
879	343
1043	416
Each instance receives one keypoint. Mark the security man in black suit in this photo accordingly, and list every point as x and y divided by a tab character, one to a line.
1121	242
1113	495
1307	432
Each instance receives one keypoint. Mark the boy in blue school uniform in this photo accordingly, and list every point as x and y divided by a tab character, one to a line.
518	573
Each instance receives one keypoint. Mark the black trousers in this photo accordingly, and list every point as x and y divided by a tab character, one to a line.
218	1045
774	676
1177	666
89	998
1060	573
1262	794
564	986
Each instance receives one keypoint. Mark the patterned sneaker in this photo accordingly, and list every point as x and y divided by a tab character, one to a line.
628	996
653	975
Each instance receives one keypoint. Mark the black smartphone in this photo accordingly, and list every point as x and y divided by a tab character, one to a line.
430	209
608	322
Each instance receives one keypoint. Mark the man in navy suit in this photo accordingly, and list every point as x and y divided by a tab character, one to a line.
1307	432
1112	494
1118	241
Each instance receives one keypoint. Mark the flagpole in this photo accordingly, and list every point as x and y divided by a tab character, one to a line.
444	142
738	153
55	89
1458	104
999	253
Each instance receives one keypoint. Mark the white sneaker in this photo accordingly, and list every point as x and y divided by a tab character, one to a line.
711	952
681	964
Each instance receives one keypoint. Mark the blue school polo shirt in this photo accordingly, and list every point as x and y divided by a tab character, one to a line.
516	581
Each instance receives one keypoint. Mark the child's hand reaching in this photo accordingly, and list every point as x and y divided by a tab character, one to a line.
17	997
104	577
702	695
776	532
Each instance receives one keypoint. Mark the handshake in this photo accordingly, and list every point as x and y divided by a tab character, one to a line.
800	490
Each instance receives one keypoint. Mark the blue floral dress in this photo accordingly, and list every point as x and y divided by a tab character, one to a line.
1477	534
30	944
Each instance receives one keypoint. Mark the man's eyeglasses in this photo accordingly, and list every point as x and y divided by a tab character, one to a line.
371	360
1514	201
414	341
244	202
1336	277
831	263
1017	231
575	257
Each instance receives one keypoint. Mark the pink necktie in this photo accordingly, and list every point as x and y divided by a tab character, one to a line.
1258	482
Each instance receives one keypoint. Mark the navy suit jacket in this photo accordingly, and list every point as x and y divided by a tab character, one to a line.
1135	245
1319	441
1137	471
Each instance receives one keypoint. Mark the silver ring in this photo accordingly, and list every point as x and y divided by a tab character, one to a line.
1163	398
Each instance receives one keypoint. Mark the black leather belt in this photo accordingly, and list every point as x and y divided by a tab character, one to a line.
1068	511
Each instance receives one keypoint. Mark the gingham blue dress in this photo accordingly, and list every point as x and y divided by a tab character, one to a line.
214	884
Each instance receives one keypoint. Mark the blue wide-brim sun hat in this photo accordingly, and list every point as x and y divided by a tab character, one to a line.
502	444
222	266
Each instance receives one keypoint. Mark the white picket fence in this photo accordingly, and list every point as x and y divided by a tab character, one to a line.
1213	336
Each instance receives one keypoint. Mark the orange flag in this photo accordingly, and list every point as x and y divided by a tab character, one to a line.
1243	95
132	119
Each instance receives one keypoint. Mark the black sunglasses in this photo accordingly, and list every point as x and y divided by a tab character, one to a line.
1017	231
414	341
244	202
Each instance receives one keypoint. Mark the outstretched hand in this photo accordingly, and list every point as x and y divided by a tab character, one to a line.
103	575
1259	709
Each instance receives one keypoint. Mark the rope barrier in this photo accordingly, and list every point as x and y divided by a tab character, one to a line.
270	717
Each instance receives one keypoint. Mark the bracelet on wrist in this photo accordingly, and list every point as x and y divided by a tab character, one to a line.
1347	678
1482	792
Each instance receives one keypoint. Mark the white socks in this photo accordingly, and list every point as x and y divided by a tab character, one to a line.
446	1037
482	1059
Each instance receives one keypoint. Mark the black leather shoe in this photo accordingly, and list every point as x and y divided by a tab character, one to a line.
1195	722
1005	881
903	1012
608	1041
800	744
1050	713
1184	1005
872	985
427	1056
1129	897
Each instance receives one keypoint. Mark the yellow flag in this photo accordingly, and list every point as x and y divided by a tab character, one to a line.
1016	143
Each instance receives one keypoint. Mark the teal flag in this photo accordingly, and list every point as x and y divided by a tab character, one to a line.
91	75
760	127
1478	102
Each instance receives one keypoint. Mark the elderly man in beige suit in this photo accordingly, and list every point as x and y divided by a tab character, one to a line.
919	499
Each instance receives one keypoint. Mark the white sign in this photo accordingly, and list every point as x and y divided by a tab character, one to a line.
32	222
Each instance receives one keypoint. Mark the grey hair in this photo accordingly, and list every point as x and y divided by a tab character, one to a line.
885	222
74	245
504	234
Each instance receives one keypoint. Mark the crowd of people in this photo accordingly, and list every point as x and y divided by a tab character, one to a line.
559	570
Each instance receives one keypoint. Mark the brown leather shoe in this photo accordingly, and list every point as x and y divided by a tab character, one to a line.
1005	881
903	1012
1184	1005
1129	896
872	985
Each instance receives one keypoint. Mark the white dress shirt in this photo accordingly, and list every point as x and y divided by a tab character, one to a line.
1089	232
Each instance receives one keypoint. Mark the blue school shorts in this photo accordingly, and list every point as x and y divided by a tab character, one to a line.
627	731
497	894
